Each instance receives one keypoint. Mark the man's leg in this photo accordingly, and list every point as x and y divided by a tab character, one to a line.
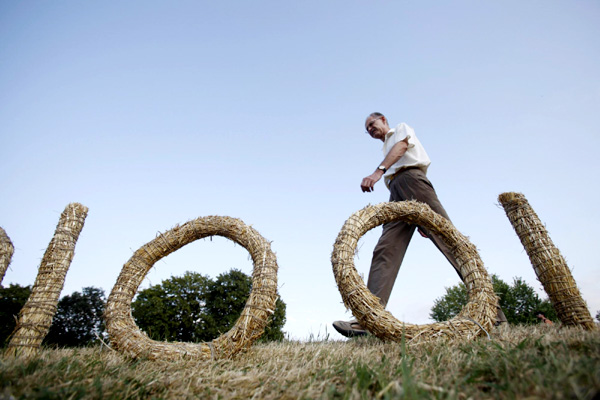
414	185
387	258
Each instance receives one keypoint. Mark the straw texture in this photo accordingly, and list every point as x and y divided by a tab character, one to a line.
36	315
477	316
549	265
128	338
6	251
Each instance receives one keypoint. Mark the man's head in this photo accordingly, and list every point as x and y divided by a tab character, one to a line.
377	125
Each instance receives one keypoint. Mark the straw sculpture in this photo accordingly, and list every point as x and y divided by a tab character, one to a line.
36	315
126	336
549	265
6	252
477	316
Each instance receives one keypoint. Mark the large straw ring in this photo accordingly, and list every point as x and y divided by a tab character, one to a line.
126	336
478	315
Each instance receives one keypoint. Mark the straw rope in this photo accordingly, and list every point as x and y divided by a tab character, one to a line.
6	251
478	315
549	265
126	336
36	315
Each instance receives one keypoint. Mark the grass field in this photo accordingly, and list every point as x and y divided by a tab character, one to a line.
545	362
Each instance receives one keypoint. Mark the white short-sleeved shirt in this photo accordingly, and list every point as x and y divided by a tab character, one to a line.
415	155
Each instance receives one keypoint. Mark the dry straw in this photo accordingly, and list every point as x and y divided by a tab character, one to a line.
128	338
549	265
478	315
6	252
36	315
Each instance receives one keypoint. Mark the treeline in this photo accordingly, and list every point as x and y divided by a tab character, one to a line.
519	301
190	308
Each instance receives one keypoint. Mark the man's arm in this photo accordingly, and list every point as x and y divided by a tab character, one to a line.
397	151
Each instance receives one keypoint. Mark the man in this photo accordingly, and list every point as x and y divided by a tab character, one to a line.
403	169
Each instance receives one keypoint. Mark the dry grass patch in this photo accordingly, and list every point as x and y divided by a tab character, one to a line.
519	362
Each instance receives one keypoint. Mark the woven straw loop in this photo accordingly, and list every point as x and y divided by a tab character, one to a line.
128	338
478	315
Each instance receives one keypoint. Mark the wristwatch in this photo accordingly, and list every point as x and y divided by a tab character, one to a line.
384	169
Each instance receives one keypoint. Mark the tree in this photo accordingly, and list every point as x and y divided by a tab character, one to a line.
78	320
226	299
194	308
519	301
12	299
521	304
174	310
450	304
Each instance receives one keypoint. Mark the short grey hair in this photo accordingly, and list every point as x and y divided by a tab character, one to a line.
375	115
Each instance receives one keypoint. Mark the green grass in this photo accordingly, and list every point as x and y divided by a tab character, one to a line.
518	362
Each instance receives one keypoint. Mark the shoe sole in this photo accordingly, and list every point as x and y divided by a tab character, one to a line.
349	332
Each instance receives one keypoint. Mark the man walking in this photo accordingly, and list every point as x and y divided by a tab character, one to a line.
403	169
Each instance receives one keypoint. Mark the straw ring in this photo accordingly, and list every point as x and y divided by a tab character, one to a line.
128	338
476	317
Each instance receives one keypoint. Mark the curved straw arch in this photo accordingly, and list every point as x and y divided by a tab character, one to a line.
6	251
35	318
478	315
549	265
126	335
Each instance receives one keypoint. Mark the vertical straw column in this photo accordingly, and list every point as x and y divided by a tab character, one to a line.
6	252
549	265
36	316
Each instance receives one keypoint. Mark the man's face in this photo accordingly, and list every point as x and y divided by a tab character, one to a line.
377	127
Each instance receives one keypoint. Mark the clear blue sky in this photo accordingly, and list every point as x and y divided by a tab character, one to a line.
155	113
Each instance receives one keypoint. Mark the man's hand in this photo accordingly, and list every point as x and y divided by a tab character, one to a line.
368	183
